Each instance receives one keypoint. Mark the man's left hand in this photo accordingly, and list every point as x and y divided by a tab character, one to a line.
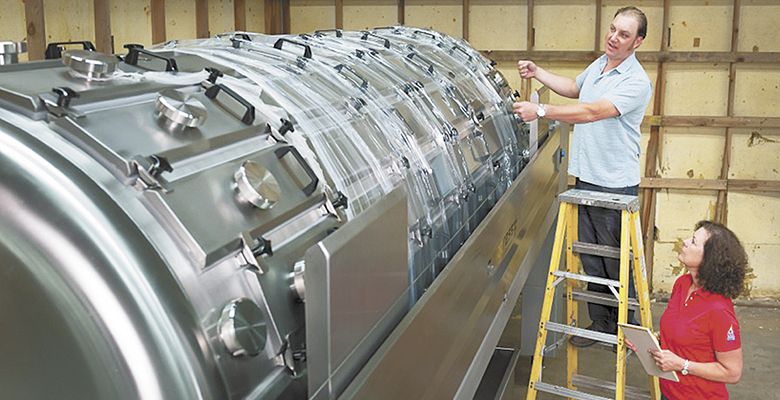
525	110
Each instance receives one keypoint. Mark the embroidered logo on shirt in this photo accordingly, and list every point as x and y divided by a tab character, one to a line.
730	334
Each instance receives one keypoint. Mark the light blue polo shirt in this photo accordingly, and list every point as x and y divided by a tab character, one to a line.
606	152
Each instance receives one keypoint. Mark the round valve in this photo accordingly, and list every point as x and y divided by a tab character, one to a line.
90	64
180	110
256	185
9	51
242	328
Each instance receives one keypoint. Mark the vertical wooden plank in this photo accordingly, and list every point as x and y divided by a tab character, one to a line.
466	11
277	16
158	21
339	14
285	16
202	18
239	14
36	29
401	11
597	40
103	41
525	85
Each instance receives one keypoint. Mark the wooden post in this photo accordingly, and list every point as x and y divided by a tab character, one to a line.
277	16
202	18
103	41
239	15
597	40
339	14
36	29
401	12
158	21
466	8
525	85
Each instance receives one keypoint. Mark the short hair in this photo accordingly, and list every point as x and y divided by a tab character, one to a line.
724	264
638	15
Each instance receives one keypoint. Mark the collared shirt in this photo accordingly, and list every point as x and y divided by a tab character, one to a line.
606	152
695	327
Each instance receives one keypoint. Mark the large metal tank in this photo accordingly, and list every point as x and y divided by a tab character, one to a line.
249	216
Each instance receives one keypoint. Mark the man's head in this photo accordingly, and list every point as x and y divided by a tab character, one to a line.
626	33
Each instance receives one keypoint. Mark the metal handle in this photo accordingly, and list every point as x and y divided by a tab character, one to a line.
306	48
430	65
321	32
132	58
249	115
419	32
64	96
53	50
462	50
367	34
363	82
312	186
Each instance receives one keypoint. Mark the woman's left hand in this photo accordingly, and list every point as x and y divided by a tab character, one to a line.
667	361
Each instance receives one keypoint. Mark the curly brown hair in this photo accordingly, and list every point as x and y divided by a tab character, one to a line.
725	261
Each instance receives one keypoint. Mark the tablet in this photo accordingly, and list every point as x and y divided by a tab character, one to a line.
645	340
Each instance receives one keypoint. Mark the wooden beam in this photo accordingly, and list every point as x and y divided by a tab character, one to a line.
239	15
401	12
753	185
202	18
103	42
711	122
710	185
158	21
339	14
466	11
644	56
36	29
597	40
525	84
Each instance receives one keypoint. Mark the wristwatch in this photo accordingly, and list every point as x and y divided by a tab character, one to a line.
540	111
686	364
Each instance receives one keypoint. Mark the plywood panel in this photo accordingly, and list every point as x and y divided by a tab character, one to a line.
310	15
654	11
567	69
755	154
757	90
131	22
221	17
66	22
445	16
696	89
366	14
12	21
709	21
509	70
692	153
498	24
179	19
764	279
755	217
758	25
679	210
255	16
645	139
564	24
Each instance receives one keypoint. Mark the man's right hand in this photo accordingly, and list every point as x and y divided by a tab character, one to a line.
527	69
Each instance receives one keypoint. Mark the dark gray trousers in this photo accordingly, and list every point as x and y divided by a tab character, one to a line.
602	226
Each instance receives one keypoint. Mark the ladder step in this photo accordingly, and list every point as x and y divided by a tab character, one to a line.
600	199
587	278
608	387
596	250
582	332
566	392
602	298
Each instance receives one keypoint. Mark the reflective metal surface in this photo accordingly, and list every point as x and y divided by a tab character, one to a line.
90	64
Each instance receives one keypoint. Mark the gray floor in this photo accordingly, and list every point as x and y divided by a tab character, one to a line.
760	327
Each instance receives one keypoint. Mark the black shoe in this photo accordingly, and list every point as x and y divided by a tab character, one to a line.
579	341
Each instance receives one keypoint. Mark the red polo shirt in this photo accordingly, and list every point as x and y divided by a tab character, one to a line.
695	328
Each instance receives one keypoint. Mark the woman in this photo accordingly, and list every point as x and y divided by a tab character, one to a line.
699	330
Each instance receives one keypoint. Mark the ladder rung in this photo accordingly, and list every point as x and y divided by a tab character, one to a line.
566	392
597	250
582	332
602	298
600	199
608	387
587	278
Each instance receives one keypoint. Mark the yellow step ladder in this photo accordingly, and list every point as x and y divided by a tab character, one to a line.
630	247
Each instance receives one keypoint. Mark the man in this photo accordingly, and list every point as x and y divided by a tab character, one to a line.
613	94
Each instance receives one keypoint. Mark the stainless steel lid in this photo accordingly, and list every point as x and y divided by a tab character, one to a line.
91	64
180	109
257	185
242	328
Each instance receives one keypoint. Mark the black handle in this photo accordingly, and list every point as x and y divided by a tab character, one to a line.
132	58
64	96
249	115
322	32
160	164
462	50
312	186
340	69
244	36
386	28
214	74
129	46
53	50
419	32
430	65
367	34
306	48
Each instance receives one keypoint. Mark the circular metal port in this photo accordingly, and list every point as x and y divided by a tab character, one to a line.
90	64
242	328
257	185
298	286
180	110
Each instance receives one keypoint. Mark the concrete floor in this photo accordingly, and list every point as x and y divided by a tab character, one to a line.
760	328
